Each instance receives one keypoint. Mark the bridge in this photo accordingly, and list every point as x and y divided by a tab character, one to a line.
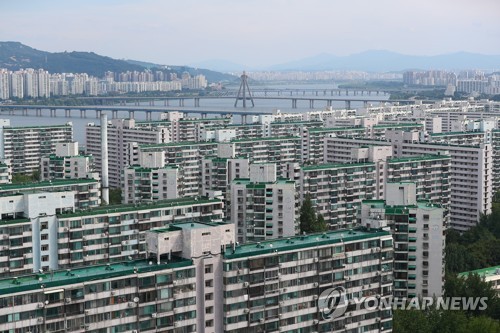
166	101
52	110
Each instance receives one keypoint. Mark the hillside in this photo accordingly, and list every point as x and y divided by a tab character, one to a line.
14	56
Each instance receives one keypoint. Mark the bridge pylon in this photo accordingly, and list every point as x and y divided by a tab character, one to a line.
244	92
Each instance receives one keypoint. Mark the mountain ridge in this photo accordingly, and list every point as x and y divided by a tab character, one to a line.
15	55
383	61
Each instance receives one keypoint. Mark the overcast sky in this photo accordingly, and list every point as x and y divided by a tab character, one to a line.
251	32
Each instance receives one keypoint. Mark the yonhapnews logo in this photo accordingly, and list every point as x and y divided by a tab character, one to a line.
333	303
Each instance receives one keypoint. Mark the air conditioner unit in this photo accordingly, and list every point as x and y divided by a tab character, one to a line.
261	320
245	284
131	304
315	321
67	300
66	229
113	292
246	310
153	315
105	255
316	259
40	305
40	320
315	284
315	297
136	251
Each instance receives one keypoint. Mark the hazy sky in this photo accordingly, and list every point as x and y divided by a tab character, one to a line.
253	33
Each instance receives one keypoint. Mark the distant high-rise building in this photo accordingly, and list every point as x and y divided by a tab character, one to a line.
25	146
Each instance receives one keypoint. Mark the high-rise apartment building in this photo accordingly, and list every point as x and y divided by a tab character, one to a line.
263	206
67	163
45	230
25	146
121	132
419	232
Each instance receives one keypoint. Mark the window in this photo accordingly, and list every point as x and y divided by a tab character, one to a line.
209	269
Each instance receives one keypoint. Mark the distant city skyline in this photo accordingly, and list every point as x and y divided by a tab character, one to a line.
252	33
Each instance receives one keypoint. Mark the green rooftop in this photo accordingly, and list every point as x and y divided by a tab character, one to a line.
337	129
299	242
138	168
483	272
176	144
276	138
419	158
186	201
249	183
39	127
14	221
457	133
185	226
58	279
48	183
397	125
335	166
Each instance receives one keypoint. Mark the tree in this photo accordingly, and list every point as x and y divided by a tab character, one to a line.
309	221
321	224
115	196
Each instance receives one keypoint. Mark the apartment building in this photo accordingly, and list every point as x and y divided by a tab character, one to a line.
337	190
142	184
5	172
209	286
217	173
130	296
274	285
67	163
313	141
187	156
121	132
25	146
419	233
24	228
87	192
470	178
47	232
489	274
495	143
263	206
429	173
279	150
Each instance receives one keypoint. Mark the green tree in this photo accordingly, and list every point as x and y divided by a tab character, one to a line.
307	217
115	196
309	221
321	225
